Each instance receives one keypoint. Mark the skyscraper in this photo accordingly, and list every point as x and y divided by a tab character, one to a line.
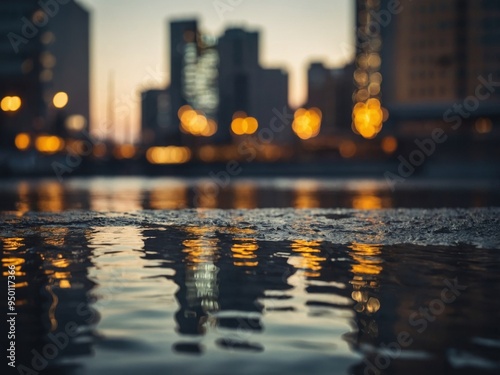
244	85
434	55
156	117
329	90
44	62
193	71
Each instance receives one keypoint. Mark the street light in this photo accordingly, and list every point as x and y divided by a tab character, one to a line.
60	99
10	103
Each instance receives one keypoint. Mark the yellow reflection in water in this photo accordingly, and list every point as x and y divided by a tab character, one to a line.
50	197
243	252
366	268
306	195
54	236
307	258
206	195
114	198
367	259
23	205
12	243
367	202
11	257
168	198
245	196
201	272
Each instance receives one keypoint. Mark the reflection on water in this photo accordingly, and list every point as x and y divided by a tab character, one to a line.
194	300
199	299
124	195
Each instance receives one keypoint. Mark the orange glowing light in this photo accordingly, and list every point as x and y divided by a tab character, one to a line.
244	125
483	126
168	155
10	103
49	144
347	149
368	118
60	100
195	122
126	151
22	141
307	123
389	145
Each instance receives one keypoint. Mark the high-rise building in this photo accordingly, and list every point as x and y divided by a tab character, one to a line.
44	64
329	90
156	119
244	86
434	53
193	72
368	114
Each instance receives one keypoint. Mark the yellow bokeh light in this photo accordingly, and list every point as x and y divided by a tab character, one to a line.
60	99
210	129
49	144
22	141
307	123
168	155
368	118
244	125
10	103
195	122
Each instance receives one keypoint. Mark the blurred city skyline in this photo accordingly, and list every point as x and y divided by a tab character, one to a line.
130	40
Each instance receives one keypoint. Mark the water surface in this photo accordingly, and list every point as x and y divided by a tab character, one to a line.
328	291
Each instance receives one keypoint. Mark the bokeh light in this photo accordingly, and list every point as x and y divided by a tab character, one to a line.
168	155
60	99
389	145
49	144
10	103
307	122
195	122
22	141
368	118
242	124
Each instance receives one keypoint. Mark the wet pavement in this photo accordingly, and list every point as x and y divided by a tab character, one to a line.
110	281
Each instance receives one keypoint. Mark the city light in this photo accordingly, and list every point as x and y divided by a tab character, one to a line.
49	144
168	155
60	100
368	118
242	124
126	151
389	145
307	123
195	122
22	141
10	103
483	126
347	149
76	123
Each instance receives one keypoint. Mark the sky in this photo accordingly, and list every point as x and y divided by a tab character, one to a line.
129	41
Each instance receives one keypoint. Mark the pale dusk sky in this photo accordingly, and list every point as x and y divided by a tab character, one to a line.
130	39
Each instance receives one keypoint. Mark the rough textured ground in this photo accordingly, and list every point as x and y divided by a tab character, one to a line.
447	227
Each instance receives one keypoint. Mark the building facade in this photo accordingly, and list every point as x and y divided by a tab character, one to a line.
45	53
